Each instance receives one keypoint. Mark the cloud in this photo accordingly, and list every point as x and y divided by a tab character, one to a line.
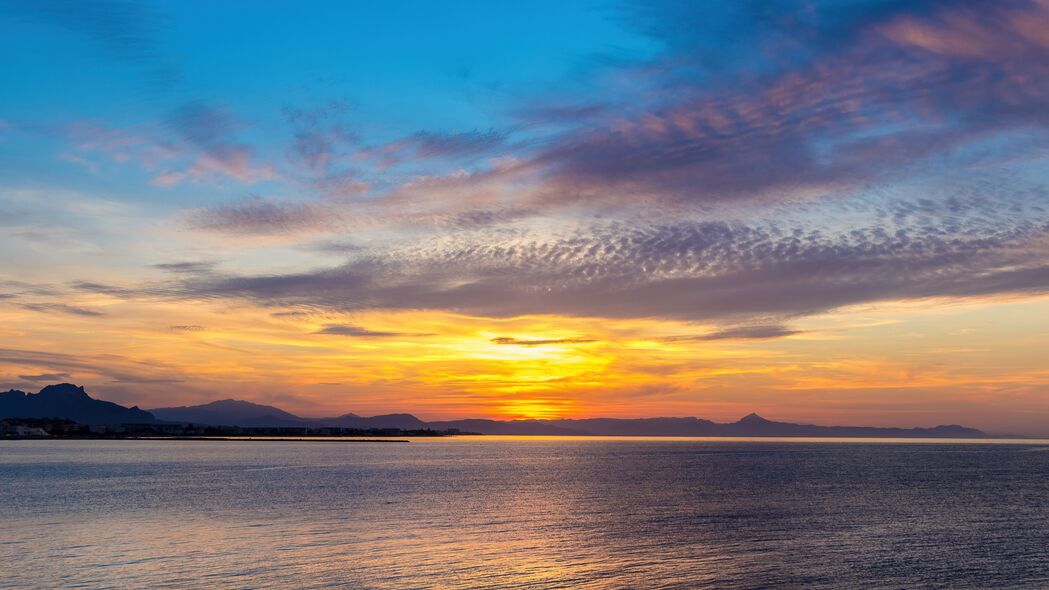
812	102
114	367
443	145
319	134
146	380
264	216
62	308
197	143
766	163
426	145
359	332
732	273
187	267
52	377
759	332
53	362
91	287
1010	30
203	124
290	314
519	342
187	328
210	132
141	145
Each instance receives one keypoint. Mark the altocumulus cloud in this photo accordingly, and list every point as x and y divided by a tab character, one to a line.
726	272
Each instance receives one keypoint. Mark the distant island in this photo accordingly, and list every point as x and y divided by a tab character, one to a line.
67	409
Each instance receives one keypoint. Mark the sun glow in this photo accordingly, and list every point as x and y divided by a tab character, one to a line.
440	365
535	409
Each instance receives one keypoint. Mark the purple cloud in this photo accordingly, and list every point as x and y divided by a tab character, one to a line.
263	216
850	98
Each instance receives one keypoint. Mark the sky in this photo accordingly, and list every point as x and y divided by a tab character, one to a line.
832	212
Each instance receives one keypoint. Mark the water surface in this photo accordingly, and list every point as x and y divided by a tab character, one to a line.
486	512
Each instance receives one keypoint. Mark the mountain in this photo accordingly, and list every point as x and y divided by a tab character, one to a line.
70	402
229	412
639	426
242	413
401	421
754	425
750	425
511	427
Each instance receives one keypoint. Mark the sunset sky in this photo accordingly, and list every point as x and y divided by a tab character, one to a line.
832	212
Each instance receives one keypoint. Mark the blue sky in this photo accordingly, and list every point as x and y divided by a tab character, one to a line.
392	69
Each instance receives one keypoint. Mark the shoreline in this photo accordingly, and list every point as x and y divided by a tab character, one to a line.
211	438
1042	441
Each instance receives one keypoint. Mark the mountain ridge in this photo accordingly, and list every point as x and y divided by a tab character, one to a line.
65	400
749	425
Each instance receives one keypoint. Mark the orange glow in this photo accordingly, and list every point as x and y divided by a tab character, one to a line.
839	367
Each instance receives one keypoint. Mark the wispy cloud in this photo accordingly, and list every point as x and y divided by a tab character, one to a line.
62	308
187	267
211	130
541	342
91	287
759	332
45	377
187	328
320	134
361	332
258	216
426	145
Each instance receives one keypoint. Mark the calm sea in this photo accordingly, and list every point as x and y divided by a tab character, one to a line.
523	513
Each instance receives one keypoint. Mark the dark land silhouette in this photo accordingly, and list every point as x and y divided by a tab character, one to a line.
65	400
227	417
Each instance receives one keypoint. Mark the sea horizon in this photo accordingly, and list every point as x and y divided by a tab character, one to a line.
545	295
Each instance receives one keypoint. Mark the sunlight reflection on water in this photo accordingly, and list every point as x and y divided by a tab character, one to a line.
524	513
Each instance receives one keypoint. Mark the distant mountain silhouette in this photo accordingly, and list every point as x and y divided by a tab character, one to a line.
402	421
71	402
240	413
751	425
68	401
513	427
229	412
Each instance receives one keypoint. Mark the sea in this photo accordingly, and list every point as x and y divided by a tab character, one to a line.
527	512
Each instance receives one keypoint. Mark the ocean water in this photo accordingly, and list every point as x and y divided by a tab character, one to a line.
523	513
